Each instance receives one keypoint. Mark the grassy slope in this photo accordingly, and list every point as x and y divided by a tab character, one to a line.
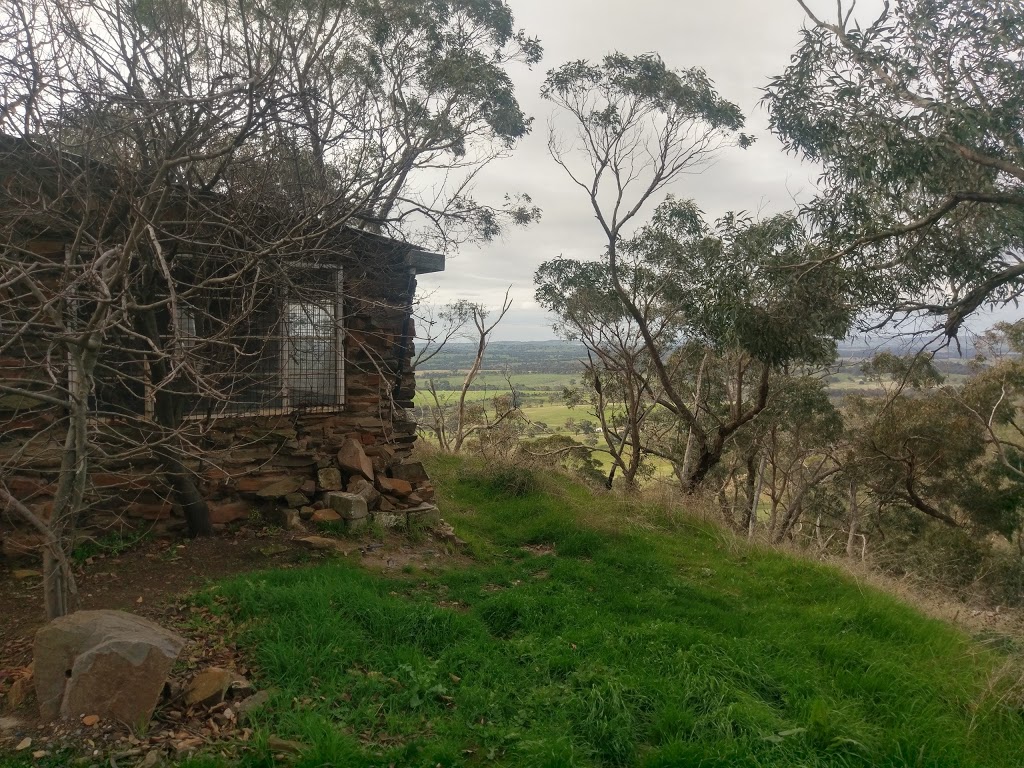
660	644
645	641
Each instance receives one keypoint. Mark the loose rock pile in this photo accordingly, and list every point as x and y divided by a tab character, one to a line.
348	490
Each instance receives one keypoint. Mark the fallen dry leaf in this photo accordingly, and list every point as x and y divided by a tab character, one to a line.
90	720
23	744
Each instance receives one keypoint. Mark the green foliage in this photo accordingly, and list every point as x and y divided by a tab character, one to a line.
567	453
914	117
505	480
111	544
626	81
954	559
734	286
739	285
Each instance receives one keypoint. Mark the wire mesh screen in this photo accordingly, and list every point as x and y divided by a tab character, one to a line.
276	345
291	356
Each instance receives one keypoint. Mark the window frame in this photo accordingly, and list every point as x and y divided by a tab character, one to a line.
338	341
185	317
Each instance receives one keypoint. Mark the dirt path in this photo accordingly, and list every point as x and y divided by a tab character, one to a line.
146	579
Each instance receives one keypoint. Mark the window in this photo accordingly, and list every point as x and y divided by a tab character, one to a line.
256	346
312	363
288	353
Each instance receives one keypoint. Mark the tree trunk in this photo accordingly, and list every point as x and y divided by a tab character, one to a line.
750	481
168	412
854	520
59	589
756	500
726	509
698	400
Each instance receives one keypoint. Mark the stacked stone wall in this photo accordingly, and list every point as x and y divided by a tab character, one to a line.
267	464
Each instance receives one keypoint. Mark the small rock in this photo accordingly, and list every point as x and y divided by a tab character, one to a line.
394	486
245	708
23	744
296	500
329	479
240	688
353	460
323	544
209	687
412	471
362	487
347	505
287	518
306	512
325	516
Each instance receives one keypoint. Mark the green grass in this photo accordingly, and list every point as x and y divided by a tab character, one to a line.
644	639
109	545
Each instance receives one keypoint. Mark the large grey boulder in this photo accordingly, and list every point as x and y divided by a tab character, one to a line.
106	663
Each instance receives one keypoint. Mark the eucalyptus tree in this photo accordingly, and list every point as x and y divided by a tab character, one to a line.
638	126
800	436
916	119
620	387
634	126
918	448
994	394
718	314
399	104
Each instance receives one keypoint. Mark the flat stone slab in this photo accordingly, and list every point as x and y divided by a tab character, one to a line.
280	489
323	544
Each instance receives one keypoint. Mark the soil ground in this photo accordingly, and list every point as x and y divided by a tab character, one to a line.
150	578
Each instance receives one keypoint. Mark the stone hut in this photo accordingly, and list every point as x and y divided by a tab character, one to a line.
286	385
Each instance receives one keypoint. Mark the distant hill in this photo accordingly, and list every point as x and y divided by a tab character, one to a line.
557	356
554	356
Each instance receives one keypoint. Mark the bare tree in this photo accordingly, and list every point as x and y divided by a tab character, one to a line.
157	205
452	419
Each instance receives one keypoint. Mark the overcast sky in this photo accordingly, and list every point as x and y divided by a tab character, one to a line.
740	43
